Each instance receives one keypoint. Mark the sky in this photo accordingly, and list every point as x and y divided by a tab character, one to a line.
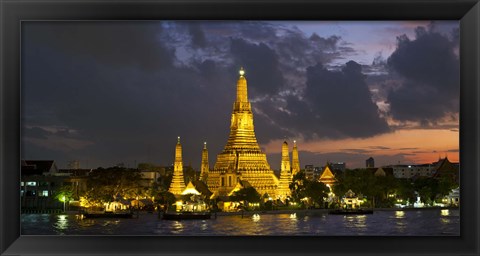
105	93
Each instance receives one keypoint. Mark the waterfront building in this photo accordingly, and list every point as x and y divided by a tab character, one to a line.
178	184
327	177
41	182
351	201
283	190
295	160
204	166
242	158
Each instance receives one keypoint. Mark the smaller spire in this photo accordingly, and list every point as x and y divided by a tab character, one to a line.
204	145
178	139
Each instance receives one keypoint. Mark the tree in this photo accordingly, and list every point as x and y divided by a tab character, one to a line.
249	194
106	185
302	188
165	198
317	191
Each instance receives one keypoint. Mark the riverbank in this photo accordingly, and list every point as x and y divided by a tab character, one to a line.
313	212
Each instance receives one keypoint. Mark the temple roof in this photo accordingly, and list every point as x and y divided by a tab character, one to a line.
190	189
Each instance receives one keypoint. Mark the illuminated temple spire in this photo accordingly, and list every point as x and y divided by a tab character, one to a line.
204	166
178	184
295	161
283	190
242	159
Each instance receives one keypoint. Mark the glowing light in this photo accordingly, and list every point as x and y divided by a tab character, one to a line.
445	212
399	214
241	72
256	217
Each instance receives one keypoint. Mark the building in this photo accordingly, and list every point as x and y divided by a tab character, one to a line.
370	162
339	166
310	172
445	169
327	177
42	182
242	158
402	171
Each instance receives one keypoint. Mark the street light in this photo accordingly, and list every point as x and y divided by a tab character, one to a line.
63	200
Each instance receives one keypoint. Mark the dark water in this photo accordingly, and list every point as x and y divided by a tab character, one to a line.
382	223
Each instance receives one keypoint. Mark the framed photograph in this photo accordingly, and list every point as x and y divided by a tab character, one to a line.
249	128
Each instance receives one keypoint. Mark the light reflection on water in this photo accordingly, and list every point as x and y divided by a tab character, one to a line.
393	223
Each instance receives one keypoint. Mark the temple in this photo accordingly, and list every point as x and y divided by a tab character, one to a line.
283	190
327	177
242	159
178	184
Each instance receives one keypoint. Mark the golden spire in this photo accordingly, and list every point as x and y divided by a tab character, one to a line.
242	95
283	190
242	158
204	167
295	161
178	183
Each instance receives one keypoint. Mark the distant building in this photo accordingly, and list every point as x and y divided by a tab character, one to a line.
309	172
339	166
381	171
444	168
402	171
370	162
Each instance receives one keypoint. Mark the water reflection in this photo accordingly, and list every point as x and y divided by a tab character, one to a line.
62	222
399	214
355	221
423	222
177	227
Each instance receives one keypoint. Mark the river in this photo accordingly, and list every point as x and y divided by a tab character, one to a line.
421	222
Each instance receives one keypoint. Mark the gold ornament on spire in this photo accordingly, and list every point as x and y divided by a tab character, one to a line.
241	71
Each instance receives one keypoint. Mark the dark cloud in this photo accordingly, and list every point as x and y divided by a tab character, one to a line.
356	150
380	147
263	67
113	43
198	37
341	100
430	73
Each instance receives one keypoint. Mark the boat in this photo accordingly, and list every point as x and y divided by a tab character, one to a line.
186	216
108	215
350	211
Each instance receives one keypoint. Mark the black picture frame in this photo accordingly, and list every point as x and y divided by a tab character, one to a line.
13	12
